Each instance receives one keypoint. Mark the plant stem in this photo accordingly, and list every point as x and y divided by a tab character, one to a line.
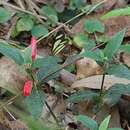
52	113
103	79
102	85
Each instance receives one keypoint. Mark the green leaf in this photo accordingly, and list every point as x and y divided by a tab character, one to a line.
14	32
119	71
90	44
82	96
5	15
96	55
80	40
94	25
24	24
105	123
35	103
77	4
114	44
27	54
114	93
125	48
116	13
41	62
39	30
48	72
11	52
72	59
88	122
31	123
115	129
50	12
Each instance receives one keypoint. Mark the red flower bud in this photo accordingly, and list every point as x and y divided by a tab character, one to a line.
34	47
27	88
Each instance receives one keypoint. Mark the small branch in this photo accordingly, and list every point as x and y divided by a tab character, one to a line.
29	2
70	20
52	113
20	3
10	100
22	10
102	85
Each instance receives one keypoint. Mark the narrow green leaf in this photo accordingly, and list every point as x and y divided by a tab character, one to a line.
114	93
119	71
115	129
5	15
116	13
105	123
82	96
96	55
35	103
114	44
125	48
27	54
88	122
41	62
11	52
48	72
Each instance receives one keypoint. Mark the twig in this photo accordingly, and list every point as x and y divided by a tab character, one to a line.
10	100
13	98
13	21
102	84
52	113
20	9
29	2
9	113
77	16
19	2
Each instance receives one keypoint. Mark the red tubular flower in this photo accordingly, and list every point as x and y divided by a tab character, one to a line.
34	47
27	88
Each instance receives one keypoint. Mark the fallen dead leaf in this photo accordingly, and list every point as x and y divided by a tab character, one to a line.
11	78
113	25
86	109
18	125
4	120
126	59
94	82
87	67
67	78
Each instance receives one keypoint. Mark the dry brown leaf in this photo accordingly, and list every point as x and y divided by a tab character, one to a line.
94	82
18	125
67	78
116	24
4	120
10	76
86	109
113	25
87	67
126	59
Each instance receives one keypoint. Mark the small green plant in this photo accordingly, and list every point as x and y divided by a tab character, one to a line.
105	58
93	125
